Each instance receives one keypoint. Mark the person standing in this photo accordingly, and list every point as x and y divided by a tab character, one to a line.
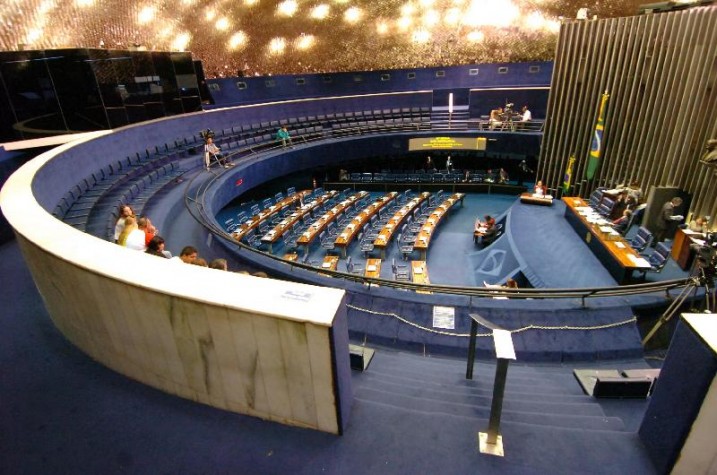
429	164
449	164
666	218
527	115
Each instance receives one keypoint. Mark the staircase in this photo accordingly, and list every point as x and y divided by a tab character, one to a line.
547	420
442	119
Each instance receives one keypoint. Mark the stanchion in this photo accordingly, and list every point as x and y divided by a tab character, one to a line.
491	441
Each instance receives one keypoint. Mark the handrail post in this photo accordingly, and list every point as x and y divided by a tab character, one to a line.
491	442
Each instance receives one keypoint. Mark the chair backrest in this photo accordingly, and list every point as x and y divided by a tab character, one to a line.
290	191
663	250
596	197
659	258
645	234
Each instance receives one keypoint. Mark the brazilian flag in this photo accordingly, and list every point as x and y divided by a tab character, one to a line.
568	174
596	147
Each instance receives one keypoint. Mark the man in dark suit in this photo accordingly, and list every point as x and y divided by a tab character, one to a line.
667	219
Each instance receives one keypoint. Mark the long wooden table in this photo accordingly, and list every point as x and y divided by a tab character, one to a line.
386	233
533	199
613	251
274	234
423	240
320	224
352	229
267	213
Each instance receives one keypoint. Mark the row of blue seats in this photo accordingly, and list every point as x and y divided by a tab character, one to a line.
420	176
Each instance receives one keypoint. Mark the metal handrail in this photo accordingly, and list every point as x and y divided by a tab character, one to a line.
196	207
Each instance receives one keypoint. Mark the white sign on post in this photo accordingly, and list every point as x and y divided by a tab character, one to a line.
444	317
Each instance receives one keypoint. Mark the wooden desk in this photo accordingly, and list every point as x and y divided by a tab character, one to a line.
419	274
615	254
320	224
280	229
681	251
532	199
373	268
386	233
330	262
267	213
423	240
352	229
291	256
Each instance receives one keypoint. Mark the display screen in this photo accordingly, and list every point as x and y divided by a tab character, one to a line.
447	143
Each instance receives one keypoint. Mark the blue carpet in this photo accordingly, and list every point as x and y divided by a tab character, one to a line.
63	413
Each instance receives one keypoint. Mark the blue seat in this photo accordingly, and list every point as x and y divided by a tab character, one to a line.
642	239
658	258
400	272
353	268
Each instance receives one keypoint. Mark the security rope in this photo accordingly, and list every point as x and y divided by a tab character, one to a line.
516	330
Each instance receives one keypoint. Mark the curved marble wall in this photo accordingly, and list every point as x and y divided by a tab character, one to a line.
271	349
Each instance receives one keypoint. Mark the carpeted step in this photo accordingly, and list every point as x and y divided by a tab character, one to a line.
472	388
539	404
519	378
429	407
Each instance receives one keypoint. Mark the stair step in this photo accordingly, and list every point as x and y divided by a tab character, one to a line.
482	414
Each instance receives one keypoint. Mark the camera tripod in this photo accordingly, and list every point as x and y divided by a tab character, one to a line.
703	279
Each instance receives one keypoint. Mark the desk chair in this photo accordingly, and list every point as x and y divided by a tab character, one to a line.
642	239
487	240
366	245
353	268
657	259
400	272
327	242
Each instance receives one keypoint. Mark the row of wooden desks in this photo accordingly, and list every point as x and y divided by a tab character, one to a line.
286	224
423	239
419	270
386	233
320	224
611	248
267	213
352	229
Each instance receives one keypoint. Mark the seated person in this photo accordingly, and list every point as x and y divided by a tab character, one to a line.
698	225
620	224
483	229
125	212
211	150
489	176
502	176
509	284
283	136
540	189
156	248
496	118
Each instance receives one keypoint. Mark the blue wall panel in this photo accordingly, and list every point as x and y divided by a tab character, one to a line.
226	92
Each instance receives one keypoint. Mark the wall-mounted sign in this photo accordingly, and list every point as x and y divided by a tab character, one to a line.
447	143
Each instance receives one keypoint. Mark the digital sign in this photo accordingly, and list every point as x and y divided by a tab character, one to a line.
447	143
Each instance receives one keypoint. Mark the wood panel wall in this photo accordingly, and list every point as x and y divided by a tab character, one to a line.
661	73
